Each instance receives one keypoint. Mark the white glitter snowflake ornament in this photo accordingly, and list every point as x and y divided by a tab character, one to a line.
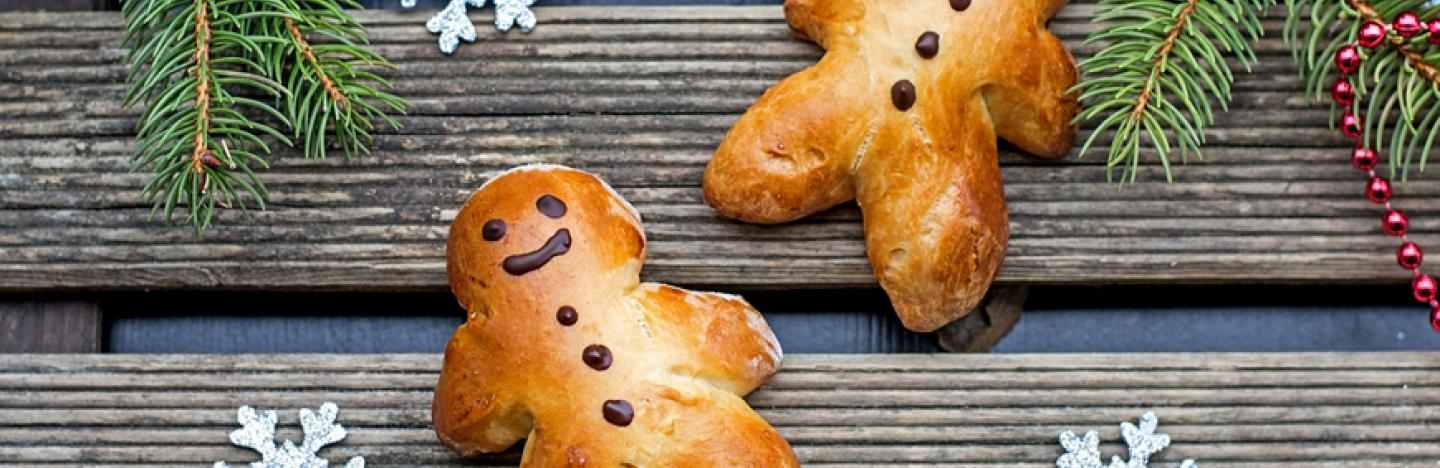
257	431
453	23
1084	452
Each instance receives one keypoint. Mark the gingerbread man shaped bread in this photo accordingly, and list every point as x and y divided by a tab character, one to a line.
901	115
564	345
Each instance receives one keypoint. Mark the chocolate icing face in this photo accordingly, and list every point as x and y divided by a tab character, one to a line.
521	264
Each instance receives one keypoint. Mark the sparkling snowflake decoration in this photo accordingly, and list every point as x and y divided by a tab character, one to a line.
257	431
453	23
1084	452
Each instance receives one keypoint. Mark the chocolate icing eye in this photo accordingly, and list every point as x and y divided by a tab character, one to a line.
494	230
550	206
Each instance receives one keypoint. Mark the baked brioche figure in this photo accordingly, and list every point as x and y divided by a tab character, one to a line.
901	115
565	346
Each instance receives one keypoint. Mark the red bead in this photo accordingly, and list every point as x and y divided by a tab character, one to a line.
1363	158
1350	125
1435	318
1347	59
1378	190
1407	25
1434	29
1343	92
1409	256
1395	223
1370	35
1424	288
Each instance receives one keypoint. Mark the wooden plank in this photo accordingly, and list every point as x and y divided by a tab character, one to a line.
641	96
48	326
1228	410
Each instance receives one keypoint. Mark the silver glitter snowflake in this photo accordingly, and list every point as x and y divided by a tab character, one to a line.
1084	452
257	431
453	23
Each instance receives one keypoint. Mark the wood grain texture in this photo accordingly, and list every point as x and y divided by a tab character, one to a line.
641	96
47	326
1227	410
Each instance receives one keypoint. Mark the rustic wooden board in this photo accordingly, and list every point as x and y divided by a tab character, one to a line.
1227	410
50	326
640	95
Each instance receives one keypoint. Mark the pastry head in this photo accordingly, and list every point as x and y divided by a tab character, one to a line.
535	227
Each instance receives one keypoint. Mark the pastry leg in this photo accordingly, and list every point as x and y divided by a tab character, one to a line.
935	221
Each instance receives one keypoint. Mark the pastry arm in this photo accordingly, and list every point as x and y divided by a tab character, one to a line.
732	346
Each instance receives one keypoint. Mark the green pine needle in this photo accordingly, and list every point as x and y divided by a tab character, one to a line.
1162	65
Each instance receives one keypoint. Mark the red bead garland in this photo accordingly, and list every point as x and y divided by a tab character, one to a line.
1343	92
1408	24
1350	125
1395	223
1347	59
1409	256
1378	190
1363	158
1424	288
1370	35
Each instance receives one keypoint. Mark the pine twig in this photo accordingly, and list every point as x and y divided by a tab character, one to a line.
202	85
336	95
1163	64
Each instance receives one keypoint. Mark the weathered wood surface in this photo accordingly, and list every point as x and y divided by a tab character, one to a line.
1227	410
641	96
50	326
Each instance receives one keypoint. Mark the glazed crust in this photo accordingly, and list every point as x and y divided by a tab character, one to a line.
514	370
927	179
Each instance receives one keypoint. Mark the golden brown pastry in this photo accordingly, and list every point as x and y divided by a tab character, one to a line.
901	115
564	344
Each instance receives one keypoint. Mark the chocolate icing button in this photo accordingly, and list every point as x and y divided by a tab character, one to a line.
928	45
567	316
598	357
903	94
959	5
618	412
521	264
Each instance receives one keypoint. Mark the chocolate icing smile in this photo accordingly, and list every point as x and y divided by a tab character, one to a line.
521	264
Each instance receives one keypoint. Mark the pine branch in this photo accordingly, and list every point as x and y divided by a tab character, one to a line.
1154	80
198	67
183	63
1397	87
